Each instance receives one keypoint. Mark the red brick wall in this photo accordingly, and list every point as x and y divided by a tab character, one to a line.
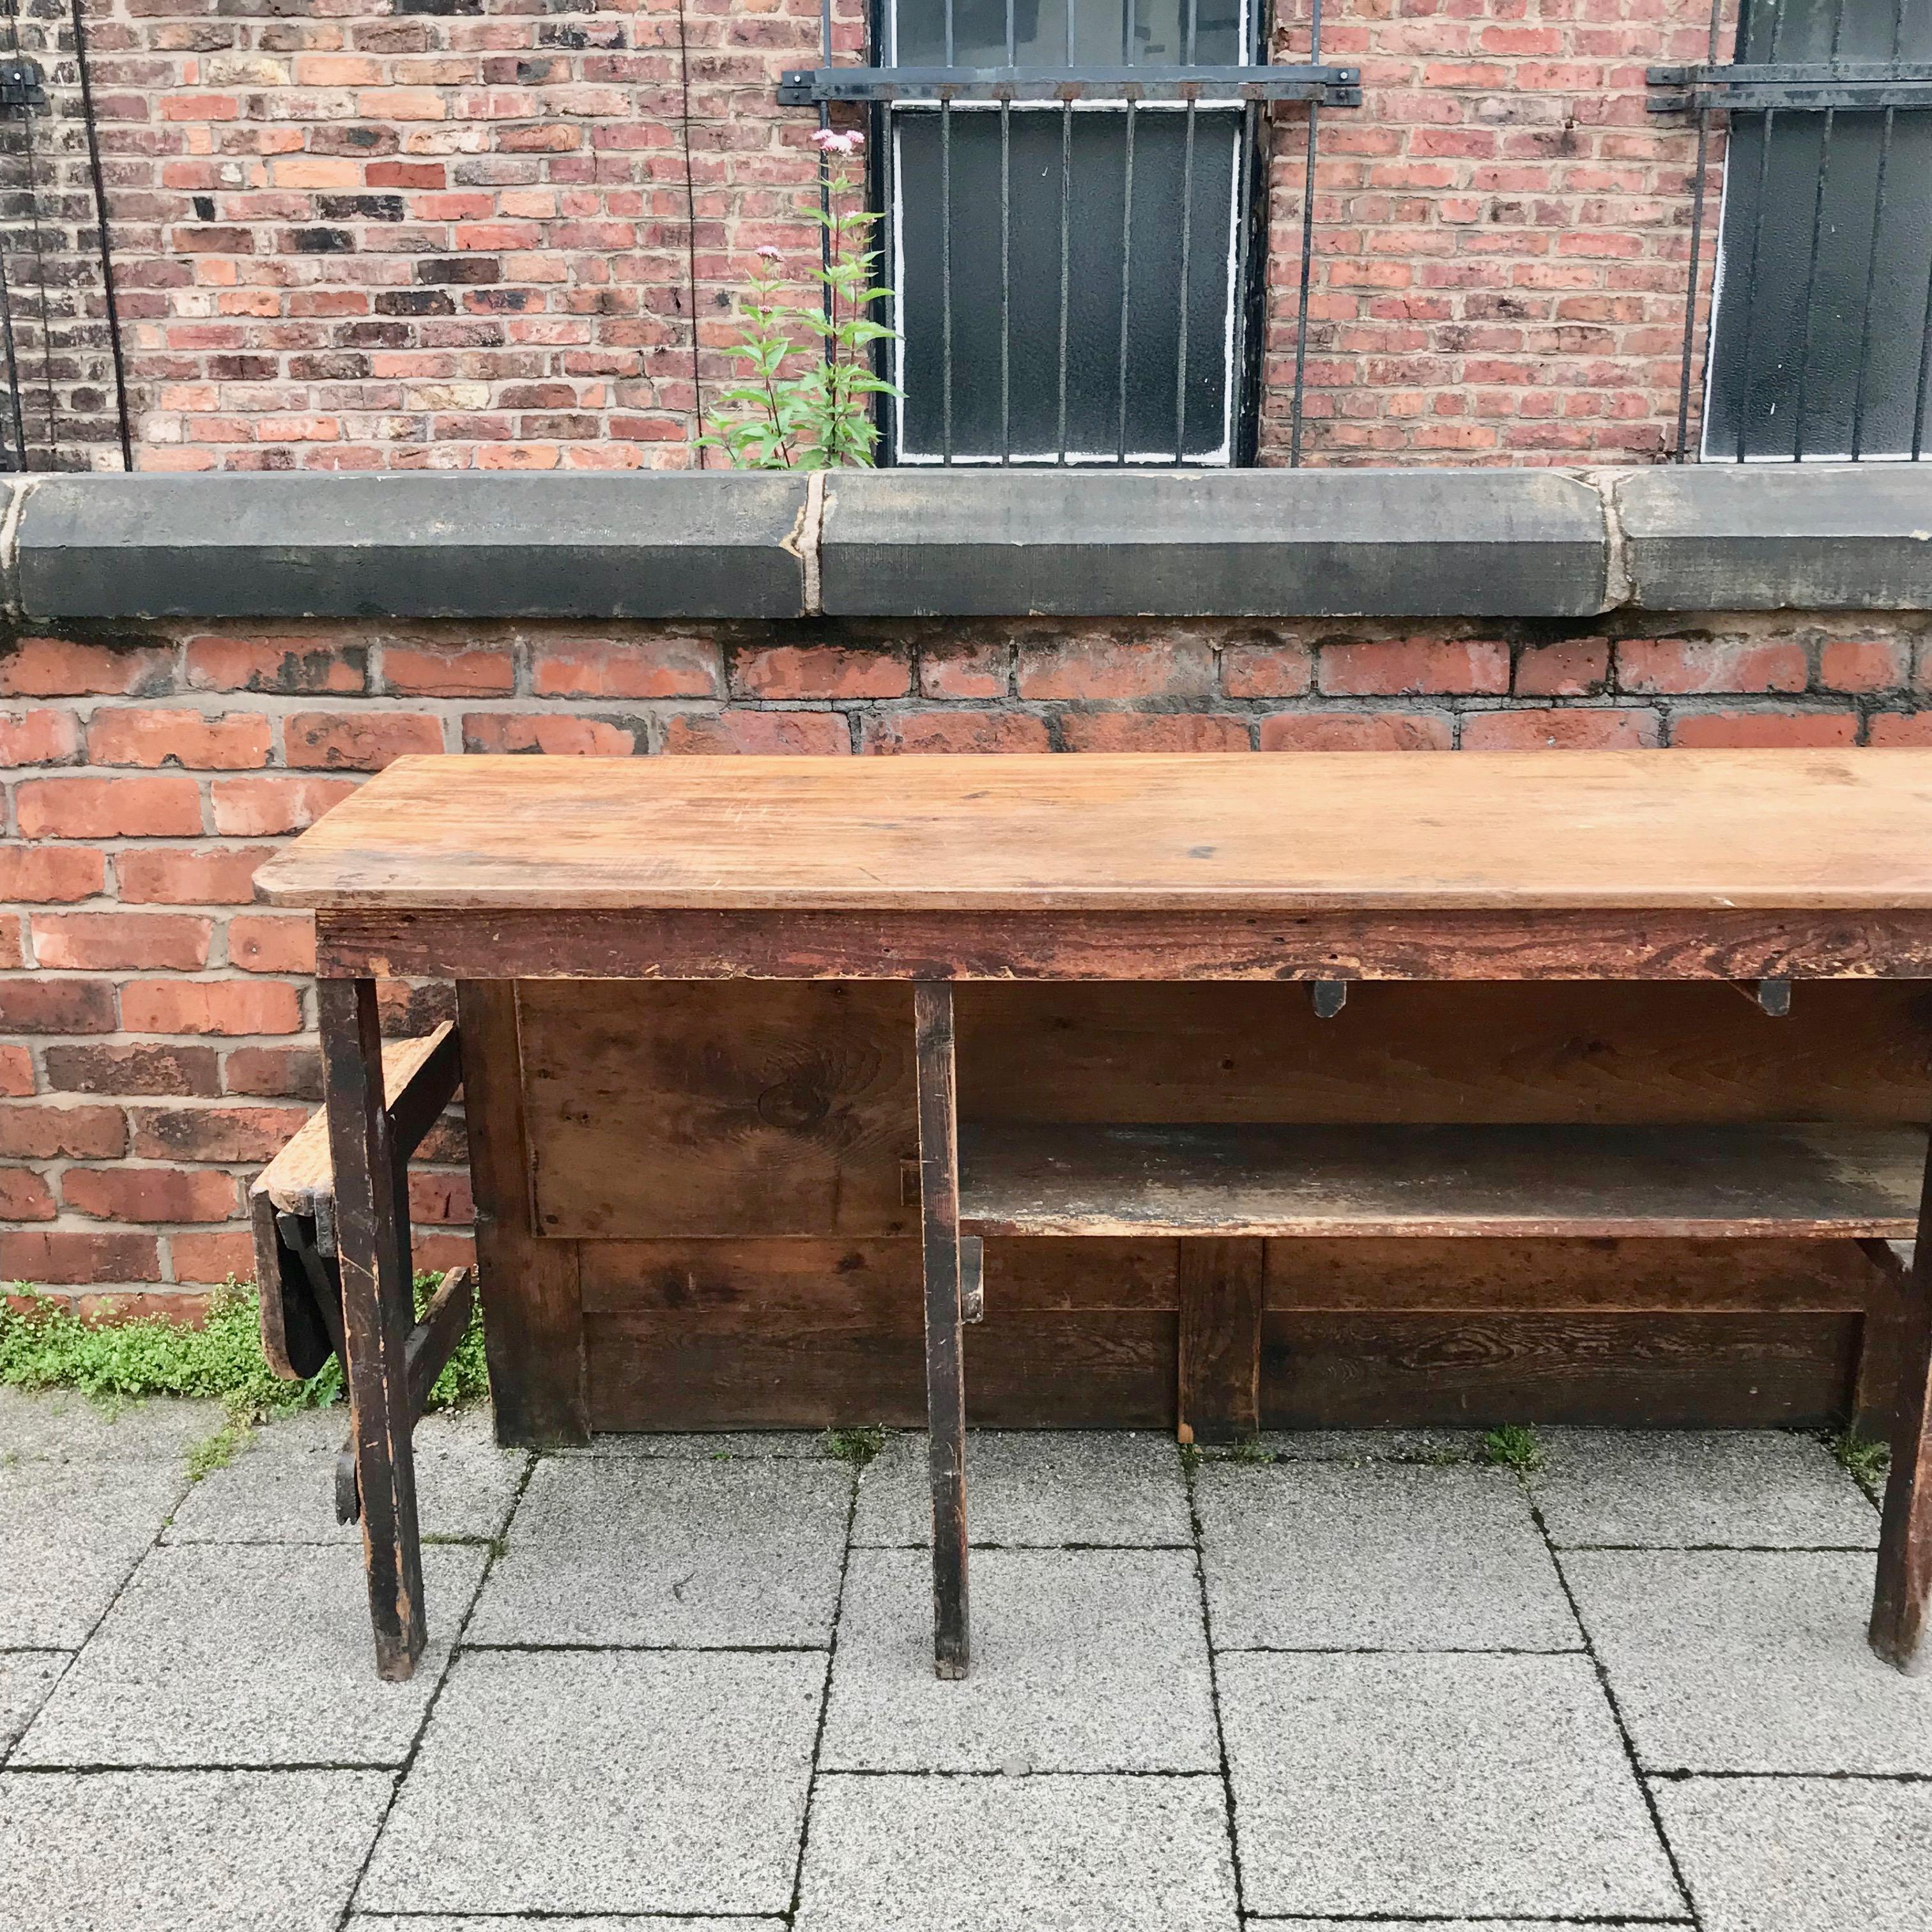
475	233
154	1046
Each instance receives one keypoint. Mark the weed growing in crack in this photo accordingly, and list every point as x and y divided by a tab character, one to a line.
856	1446
1511	1447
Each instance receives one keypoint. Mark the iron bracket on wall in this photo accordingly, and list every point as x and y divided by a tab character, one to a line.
23	88
1328	86
1755	88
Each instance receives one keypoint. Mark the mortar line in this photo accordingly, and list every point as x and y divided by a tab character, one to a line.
1650	1804
1188	1471
400	1773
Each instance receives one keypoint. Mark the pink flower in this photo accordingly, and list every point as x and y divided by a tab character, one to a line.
769	253
831	141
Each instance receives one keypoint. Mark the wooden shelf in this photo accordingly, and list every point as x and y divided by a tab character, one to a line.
1806	1181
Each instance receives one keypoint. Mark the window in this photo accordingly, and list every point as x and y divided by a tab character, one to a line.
1819	340
1073	273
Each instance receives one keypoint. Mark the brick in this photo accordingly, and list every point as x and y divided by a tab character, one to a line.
1576	669
1764	728
54	1130
1096	668
238	741
1270	669
91	808
452	670
820	670
556	733
1560	730
979	668
440	1198
96	942
140	1068
50	875
254	1135
26	1196
665	666
1152	731
56	1006
1410	667
226	1007
272	943
56	667
815	732
291	666
150	1193
55	1256
271	1071
358	741
211	1257
920	731
1864	664
262	808
180	1306
1676	666
39	738
1356	731
1893	728
177	875
16	1070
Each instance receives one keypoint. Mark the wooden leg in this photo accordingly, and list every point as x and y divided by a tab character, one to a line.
1905	1543
372	1236
1219	1283
945	1361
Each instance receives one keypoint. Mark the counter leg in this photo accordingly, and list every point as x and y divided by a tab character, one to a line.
945	1363
372	1233
1905	1543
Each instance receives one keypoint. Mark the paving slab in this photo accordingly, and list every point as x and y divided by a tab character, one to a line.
731	1445
185	1851
63	1426
73	1531
1740	1489
1802	1854
1034	1489
1750	1661
281	1487
1428	1446
1382	1556
1082	1660
605	1782
436	1922
1017	1855
247	1655
1442	1786
667	1552
1440	1924
26	1676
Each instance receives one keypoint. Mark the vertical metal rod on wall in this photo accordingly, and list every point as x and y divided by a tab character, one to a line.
1811	289
1307	249
1871	281
1066	219
824	170
1007	263
1187	243
1697	190
100	226
1750	278
12	368
1127	282
1244	214
946	259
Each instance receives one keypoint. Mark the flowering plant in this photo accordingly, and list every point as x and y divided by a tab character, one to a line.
820	418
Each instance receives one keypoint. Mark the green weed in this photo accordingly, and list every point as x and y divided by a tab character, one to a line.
1511	1447
856	1446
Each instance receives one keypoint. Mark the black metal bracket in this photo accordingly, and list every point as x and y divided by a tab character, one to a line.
1206	86
23	88
1741	88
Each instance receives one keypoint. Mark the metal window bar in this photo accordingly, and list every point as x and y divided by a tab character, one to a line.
1130	90
1809	317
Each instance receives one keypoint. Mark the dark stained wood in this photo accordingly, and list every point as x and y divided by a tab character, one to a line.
1196	944
437	1333
1841	830
945	1346
1617	1371
1220	1340
378	1312
1900	1603
669	1110
1470	1181
533	1314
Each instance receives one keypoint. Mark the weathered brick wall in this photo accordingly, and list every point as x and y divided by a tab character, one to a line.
476	233
154	1045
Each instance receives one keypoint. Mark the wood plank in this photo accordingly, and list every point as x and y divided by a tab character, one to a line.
1629	1371
1220	1341
675	1110
533	1313
1196	944
1784	830
1602	1277
1461	1181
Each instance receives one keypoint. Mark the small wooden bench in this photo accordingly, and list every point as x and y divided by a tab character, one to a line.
298	1270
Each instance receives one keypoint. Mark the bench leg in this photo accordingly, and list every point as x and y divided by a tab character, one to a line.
945	1360
1905	1543
372	1232
1219	1285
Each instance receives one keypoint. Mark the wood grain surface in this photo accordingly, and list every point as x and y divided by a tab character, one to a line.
1724	829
